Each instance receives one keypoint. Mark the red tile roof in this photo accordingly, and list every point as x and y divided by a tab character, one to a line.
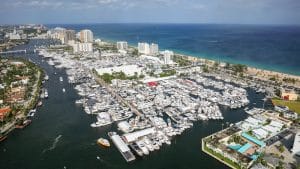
4	111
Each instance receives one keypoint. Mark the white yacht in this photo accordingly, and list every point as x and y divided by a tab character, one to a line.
148	144
142	146
46	77
46	93
103	119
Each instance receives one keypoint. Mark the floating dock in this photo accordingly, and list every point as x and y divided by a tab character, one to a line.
122	147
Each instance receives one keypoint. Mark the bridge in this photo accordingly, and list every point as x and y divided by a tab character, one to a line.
14	52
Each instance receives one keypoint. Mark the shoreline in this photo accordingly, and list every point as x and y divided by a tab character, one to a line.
261	73
215	58
32	102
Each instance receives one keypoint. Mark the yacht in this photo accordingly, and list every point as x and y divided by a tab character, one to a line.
100	124
103	142
148	144
46	93
46	77
31	113
79	102
40	103
167	141
103	119
155	145
142	146
136	149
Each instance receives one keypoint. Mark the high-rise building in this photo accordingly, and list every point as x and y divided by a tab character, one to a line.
154	49
69	35
82	47
56	33
62	34
144	48
86	36
14	35
122	45
147	49
167	57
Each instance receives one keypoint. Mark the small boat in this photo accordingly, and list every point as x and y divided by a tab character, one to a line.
31	113
61	79
46	93
2	138
46	77
40	103
24	124
103	142
100	124
64	90
78	102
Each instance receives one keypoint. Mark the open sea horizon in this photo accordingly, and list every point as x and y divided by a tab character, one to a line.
269	47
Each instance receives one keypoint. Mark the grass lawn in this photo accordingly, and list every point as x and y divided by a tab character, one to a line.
292	105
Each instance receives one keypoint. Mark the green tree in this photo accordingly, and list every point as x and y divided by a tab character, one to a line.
205	69
216	65
281	148
239	68
141	76
135	52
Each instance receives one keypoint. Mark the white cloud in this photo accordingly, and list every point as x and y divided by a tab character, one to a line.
107	1
35	3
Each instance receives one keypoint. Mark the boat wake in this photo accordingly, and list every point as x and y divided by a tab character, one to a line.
53	146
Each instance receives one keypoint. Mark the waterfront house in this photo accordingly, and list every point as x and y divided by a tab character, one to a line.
289	95
4	111
15	94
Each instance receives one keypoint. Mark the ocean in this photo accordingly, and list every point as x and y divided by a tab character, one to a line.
271	47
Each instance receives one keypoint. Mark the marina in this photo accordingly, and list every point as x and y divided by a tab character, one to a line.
151	113
48	114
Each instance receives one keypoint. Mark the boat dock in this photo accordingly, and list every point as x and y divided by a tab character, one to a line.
122	147
171	116
14	51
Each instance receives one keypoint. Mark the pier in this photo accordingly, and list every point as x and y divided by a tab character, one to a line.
14	52
122	147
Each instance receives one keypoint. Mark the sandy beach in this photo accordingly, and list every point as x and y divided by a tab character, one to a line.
259	73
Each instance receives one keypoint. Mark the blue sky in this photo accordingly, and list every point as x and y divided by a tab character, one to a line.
152	11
